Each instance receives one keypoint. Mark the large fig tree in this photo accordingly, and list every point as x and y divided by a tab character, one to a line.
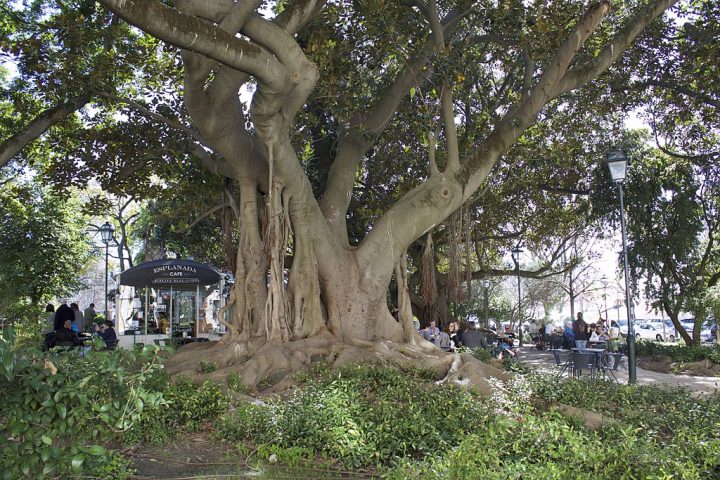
342	92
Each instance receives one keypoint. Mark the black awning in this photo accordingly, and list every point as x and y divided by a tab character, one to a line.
170	272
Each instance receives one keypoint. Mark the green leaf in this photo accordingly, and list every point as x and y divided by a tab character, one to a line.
61	409
96	450
412	92
46	440
77	462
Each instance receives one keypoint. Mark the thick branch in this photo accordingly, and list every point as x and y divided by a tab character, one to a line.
39	125
372	123
200	36
583	74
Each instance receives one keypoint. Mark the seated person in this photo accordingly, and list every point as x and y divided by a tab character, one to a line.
506	341
107	333
598	335
472	338
66	334
455	334
431	331
569	336
507	333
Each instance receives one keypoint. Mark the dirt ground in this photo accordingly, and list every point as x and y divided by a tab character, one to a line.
198	456
189	456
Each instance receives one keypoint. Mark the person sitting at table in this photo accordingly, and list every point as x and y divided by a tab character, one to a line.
613	336
455	334
431	331
66	335
107	333
598	334
569	336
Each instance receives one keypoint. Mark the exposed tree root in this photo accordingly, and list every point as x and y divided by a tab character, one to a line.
272	366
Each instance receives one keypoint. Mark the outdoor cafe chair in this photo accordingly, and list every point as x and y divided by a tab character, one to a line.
583	361
557	355
611	369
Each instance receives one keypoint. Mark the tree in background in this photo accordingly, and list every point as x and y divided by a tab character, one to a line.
673	224
43	248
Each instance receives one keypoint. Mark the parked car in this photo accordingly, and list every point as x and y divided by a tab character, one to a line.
709	332
657	331
623	326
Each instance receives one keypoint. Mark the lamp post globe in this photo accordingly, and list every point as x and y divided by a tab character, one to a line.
516	258
107	235
617	163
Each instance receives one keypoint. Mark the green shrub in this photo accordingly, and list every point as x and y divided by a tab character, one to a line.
58	407
679	352
659	433
482	354
234	383
186	406
206	367
550	447
362	416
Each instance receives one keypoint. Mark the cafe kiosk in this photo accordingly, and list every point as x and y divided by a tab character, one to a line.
169	301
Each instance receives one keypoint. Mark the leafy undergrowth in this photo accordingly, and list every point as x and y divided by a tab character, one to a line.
362	416
680	352
63	412
652	433
65	415
404	427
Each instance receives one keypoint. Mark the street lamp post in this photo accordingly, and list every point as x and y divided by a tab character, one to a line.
617	164
106	233
486	285
516	258
604	284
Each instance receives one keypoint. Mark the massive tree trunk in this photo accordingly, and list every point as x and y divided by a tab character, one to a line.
332	301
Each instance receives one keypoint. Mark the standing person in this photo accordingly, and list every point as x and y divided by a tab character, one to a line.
50	319
78	317
89	315
569	335
63	313
580	328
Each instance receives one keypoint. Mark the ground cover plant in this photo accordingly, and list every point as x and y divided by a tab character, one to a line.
649	433
63	413
404	426
67	415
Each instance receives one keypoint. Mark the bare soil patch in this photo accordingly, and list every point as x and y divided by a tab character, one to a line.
188	456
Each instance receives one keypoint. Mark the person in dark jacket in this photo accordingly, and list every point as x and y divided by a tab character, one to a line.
580	328
65	334
107	333
63	313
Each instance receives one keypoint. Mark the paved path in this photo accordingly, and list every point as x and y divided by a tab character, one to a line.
537	358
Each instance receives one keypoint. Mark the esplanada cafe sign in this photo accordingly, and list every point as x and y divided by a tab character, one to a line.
175	274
